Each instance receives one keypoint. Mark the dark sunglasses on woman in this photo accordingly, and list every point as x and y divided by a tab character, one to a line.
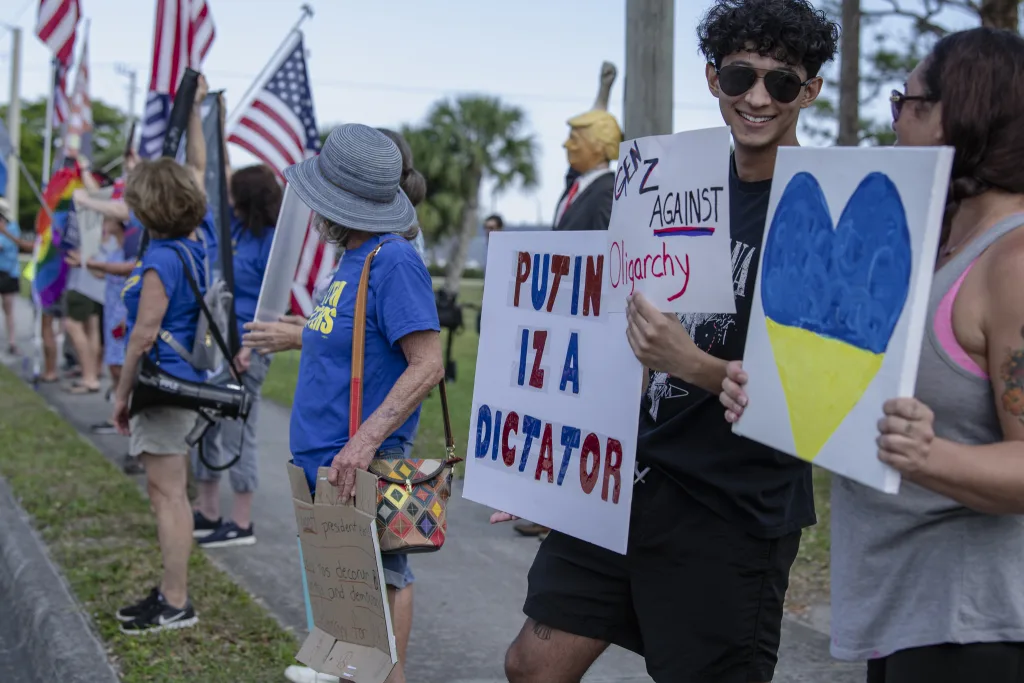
898	99
783	86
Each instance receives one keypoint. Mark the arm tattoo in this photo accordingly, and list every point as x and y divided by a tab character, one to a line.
1013	378
541	631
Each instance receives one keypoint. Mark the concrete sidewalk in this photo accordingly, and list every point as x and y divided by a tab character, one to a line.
468	596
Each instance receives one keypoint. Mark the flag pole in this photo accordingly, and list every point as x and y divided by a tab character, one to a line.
250	94
48	138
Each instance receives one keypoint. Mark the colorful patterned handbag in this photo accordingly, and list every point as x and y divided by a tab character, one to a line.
412	493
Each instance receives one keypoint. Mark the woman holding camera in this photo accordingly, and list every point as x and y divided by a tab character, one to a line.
159	299
353	190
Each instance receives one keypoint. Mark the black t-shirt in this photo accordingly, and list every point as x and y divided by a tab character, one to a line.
683	432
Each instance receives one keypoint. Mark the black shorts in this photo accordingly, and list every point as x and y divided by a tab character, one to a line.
9	284
80	307
948	663
700	599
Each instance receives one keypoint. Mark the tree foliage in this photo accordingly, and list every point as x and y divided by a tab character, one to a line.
464	142
895	36
107	145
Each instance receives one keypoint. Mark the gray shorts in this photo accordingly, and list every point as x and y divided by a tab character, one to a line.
227	438
161	430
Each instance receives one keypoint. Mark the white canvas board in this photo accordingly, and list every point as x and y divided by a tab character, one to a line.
90	226
668	237
279	282
819	355
588	400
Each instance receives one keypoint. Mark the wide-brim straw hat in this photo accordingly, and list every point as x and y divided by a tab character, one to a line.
354	181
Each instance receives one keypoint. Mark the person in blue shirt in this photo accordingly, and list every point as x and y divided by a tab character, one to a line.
10	283
353	189
159	300
255	197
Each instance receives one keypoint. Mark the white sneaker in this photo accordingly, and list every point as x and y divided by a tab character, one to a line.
303	674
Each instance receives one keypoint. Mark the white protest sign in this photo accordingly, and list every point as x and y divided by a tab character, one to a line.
279	280
668	237
556	400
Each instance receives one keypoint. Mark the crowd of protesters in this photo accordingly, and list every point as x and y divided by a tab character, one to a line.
925	584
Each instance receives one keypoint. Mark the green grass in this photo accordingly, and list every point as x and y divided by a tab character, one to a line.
100	530
810	575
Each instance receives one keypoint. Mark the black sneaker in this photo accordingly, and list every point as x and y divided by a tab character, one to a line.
203	527
228	534
138	609
160	616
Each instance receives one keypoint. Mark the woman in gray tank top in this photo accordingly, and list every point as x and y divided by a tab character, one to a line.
928	585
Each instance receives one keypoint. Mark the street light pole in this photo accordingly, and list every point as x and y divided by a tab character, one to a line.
132	74
650	28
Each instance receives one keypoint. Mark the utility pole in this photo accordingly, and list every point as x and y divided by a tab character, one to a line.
650	27
14	121
132	74
849	75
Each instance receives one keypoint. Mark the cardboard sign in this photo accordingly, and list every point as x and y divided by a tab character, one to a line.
669	232
353	637
841	301
90	226
556	398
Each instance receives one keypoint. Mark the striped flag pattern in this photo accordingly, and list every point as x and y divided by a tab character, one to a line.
279	128
182	37
56	24
61	103
80	122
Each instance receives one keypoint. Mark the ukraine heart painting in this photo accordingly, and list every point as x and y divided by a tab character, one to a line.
832	298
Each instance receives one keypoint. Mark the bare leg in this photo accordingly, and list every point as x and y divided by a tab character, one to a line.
85	351
115	374
166	479
400	602
49	349
208	499
8	303
541	654
241	509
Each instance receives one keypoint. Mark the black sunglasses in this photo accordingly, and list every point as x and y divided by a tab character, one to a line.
898	99
783	86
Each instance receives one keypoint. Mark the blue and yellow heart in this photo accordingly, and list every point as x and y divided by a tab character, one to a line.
832	298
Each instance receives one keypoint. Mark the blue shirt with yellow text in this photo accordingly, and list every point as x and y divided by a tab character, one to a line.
400	301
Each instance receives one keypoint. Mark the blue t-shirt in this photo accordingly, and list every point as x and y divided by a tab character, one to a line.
251	254
183	311
400	301
9	250
207	235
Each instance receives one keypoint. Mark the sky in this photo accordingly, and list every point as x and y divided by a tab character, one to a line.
385	64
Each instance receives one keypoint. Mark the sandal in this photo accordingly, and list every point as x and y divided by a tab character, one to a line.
79	388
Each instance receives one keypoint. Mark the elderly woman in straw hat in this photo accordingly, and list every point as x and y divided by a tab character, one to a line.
353	188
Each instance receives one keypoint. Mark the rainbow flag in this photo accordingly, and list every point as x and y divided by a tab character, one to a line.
47	270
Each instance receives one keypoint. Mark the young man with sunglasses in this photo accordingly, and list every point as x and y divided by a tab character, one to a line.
716	519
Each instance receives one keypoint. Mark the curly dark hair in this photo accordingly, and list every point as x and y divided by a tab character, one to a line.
791	31
257	197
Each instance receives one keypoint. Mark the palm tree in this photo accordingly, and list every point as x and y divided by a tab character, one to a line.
440	213
467	140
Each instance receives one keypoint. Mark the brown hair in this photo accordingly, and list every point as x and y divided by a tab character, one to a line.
256	196
978	76
412	183
165	197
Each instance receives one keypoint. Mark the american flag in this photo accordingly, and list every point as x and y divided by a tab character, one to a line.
279	128
80	122
56	24
183	35
61	105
